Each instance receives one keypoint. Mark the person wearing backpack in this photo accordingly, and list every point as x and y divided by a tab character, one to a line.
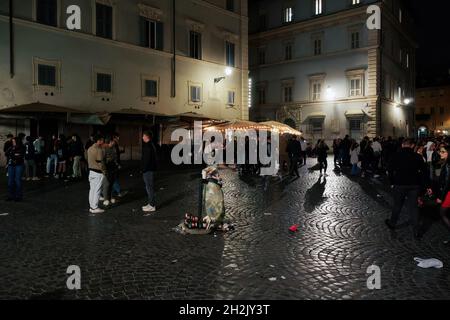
149	167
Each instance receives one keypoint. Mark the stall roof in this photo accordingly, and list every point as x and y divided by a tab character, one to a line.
281	127
38	108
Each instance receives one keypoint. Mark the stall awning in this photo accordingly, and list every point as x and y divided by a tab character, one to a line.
90	119
282	128
37	107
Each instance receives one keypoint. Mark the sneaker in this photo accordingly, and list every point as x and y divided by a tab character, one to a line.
113	201
36	179
106	203
376	176
148	208
28	179
102	199
96	211
56	176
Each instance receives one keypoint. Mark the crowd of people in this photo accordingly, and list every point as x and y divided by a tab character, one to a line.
67	158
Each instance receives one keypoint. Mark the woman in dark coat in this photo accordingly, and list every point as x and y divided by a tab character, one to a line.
443	192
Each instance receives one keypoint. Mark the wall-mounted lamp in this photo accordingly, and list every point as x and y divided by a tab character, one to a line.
408	101
228	72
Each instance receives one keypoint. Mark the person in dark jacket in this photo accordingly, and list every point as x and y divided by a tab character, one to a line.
408	176
294	150
16	159
322	155
30	160
7	145
443	192
149	167
76	153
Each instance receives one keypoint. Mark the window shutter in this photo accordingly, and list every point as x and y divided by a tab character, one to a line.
143	26
109	22
160	36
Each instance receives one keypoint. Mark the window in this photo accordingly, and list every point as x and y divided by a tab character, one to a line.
261	56
401	56
287	94
356	85
195	93
104	21
316	125
317	47
262	95
47	12
46	75
262	22
355	124
230	53
316	90
195	41
288	14
103	83
231	96
152	34
318	7
355	40
288	51
230	5
151	88
355	2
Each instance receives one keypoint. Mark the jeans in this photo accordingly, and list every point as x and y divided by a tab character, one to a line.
116	187
30	164
411	195
53	158
76	167
15	182
355	169
294	166
96	183
323	165
150	187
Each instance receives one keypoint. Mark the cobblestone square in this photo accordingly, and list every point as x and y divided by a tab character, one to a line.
124	255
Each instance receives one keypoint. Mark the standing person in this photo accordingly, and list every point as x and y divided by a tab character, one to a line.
52	156
61	151
304	146
337	151
366	156
90	142
354	158
346	145
30	160
119	151
111	171
76	152
294	152
443	192
149	167
39	148
377	150
408	175
96	163
16	158
322	155
6	146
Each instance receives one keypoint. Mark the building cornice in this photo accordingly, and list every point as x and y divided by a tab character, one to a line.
222	10
313	23
313	57
307	103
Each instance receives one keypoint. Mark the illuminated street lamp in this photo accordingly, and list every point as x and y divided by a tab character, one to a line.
408	101
228	72
330	94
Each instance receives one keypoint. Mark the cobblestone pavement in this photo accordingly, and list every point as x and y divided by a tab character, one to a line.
123	255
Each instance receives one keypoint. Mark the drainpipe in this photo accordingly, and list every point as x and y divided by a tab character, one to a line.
11	40
174	90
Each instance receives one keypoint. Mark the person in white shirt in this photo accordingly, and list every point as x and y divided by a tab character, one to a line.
377	149
304	145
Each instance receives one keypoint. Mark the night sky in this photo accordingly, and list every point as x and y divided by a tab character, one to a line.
431	33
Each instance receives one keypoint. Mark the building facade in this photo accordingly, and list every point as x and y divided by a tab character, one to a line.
150	60
316	66
433	111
